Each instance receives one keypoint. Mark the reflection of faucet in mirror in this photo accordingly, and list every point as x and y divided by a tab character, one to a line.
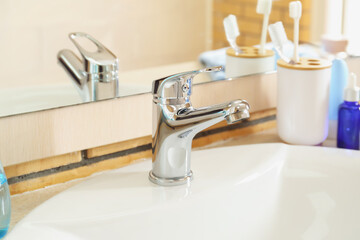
96	75
176	122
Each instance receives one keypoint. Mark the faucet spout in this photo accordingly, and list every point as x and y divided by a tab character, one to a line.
175	124
205	117
74	67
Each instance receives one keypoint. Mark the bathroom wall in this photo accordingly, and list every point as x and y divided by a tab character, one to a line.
250	23
141	33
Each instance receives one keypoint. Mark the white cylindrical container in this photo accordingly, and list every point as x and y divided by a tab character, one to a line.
249	61
303	101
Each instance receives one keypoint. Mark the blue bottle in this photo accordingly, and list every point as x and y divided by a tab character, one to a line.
339	79
349	117
5	204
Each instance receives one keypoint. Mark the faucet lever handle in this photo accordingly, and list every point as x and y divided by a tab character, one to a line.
101	53
100	61
177	87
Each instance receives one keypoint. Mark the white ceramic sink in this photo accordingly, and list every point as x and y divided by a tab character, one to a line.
266	191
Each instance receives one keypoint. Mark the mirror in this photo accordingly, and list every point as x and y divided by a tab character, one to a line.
151	39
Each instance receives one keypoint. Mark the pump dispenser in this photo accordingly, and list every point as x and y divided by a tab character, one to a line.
349	117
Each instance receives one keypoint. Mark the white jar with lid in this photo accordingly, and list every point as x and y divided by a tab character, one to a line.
303	101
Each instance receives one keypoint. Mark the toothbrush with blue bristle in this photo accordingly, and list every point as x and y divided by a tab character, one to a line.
295	9
264	7
232	32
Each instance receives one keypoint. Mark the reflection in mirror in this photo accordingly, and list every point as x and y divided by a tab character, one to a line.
158	37
150	39
96	75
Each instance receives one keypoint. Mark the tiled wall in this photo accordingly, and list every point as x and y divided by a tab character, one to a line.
250	23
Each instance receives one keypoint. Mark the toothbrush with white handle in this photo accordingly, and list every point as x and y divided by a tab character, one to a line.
264	7
232	32
295	13
279	39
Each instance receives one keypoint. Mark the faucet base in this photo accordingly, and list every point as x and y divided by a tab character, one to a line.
171	181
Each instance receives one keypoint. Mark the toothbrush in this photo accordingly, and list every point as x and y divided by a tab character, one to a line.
278	37
264	7
295	13
232	32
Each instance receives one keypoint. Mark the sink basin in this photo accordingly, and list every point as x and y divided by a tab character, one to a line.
264	191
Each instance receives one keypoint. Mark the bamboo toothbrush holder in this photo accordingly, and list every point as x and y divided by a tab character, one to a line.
249	61
303	101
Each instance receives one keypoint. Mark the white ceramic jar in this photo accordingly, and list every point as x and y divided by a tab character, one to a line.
303	101
249	61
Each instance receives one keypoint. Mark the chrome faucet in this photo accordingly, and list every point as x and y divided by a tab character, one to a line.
176	122
96	75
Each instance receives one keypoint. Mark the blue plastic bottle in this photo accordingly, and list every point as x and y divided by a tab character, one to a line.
349	117
5	204
339	79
